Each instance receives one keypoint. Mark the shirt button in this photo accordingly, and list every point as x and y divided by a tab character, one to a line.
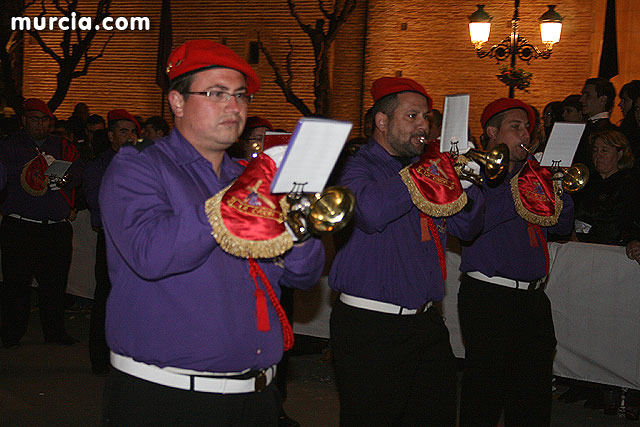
258	351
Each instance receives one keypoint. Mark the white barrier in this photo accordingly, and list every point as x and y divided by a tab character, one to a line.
595	299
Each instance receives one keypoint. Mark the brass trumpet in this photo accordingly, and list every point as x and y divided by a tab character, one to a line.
494	161
573	178
324	212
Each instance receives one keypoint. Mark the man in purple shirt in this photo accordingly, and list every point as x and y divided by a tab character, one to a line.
123	129
394	363
505	315
35	235
187	337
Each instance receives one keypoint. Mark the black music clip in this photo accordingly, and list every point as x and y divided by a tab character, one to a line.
298	188
454	151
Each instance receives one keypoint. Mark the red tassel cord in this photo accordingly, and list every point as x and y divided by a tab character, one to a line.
439	248
543	242
261	305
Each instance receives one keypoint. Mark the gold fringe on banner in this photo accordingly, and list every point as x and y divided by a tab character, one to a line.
241	247
527	215
427	207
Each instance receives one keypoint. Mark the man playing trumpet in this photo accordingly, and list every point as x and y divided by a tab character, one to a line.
394	363
505	315
194	331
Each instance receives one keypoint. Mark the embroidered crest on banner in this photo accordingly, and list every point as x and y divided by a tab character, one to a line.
435	173
253	204
32	178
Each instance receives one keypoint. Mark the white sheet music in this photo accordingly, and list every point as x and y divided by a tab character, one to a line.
455	122
562	144
57	168
312	152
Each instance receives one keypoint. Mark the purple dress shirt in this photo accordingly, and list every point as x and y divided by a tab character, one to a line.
177	299
91	178
15	152
385	258
504	248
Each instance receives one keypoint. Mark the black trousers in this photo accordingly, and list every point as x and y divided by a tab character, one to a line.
393	370
509	348
286	300
34	250
130	401
98	350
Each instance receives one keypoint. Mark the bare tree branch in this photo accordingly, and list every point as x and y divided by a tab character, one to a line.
73	49
335	24
44	10
44	46
89	59
324	11
280	81
289	61
292	8
321	43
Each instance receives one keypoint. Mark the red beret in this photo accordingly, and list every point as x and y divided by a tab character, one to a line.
504	104
198	55
257	122
388	85
35	104
122	114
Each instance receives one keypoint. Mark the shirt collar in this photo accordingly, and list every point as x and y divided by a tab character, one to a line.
182	150
603	115
184	153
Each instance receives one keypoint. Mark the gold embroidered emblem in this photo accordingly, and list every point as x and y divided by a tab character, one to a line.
253	193
258	211
436	174
537	193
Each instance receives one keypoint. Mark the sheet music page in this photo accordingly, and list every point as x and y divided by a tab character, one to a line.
57	168
562	144
313	150
455	122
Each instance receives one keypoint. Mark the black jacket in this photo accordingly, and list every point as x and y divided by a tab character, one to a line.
610	206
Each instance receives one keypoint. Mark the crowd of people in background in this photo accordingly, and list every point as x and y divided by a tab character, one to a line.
607	211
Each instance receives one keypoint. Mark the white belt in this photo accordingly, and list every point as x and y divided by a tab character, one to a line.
37	221
509	283
207	384
382	307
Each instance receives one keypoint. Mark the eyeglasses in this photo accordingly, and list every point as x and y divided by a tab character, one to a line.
38	119
219	96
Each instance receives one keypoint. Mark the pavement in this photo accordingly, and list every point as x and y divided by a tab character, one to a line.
52	385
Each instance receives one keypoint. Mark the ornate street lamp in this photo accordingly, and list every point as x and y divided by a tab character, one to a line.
514	45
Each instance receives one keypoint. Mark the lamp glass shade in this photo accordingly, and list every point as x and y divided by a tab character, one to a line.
479	32
550	32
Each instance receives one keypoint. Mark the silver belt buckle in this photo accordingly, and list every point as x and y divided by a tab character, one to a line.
261	381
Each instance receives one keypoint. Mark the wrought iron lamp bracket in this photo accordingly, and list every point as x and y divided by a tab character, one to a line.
523	50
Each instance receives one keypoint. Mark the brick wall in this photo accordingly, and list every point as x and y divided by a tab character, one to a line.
434	49
123	78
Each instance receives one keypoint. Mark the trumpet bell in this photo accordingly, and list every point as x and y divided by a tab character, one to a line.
332	210
497	161
494	161
575	178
